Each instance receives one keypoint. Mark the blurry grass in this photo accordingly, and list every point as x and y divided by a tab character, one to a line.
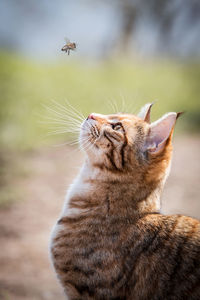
26	85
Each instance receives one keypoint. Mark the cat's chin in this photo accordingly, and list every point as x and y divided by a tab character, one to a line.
86	143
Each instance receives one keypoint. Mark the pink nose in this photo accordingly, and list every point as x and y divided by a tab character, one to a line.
91	117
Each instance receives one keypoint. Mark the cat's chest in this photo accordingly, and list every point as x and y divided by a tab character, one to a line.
87	244
88	237
97	251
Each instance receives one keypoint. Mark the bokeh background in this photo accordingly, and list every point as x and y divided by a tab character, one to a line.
129	53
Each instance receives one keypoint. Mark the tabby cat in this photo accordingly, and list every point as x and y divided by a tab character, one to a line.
111	241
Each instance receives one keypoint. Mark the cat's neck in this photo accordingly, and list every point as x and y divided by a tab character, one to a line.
119	193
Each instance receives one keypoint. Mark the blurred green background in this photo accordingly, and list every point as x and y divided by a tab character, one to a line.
27	86
128	53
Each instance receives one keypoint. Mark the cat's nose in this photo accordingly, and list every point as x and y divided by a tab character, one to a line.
91	117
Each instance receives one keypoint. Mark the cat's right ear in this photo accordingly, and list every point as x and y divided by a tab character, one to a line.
159	132
145	112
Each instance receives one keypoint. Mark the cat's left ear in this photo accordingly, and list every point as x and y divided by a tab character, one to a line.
145	112
160	131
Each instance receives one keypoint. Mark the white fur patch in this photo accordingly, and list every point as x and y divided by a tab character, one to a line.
78	188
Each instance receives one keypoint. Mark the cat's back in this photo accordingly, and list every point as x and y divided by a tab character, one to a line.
169	265
110	257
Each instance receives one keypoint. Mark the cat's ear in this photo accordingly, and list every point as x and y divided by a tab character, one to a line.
160	131
145	112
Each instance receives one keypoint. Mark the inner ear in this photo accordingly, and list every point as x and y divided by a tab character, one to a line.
160	132
145	112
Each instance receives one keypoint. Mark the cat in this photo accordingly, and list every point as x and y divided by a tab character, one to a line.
111	241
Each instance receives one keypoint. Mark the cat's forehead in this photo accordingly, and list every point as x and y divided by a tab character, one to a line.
122	117
114	118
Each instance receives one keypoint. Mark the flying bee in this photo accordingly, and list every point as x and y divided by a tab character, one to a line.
69	46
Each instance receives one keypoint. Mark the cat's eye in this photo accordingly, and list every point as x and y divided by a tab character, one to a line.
116	126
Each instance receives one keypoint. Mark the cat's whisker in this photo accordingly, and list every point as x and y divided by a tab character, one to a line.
57	132
85	147
75	143
110	102
63	131
64	121
63	118
69	143
70	114
65	126
49	120
85	142
75	110
70	117
85	139
115	104
122	102
69	128
66	129
117	107
54	121
58	113
62	107
88	127
82	146
60	117
90	144
57	124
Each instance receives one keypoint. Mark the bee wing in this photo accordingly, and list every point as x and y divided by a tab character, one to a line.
67	40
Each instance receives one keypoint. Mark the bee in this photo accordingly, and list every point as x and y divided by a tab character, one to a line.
69	46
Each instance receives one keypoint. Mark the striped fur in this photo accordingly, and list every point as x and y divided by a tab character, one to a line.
111	241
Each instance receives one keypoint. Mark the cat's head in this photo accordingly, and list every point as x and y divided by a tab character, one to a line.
122	143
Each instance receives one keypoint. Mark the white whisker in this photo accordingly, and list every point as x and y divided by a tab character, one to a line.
62	107
61	115
112	105
75	110
122	102
63	118
66	120
88	144
59	132
67	117
54	121
63	144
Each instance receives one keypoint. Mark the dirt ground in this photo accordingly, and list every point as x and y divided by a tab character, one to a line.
25	226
